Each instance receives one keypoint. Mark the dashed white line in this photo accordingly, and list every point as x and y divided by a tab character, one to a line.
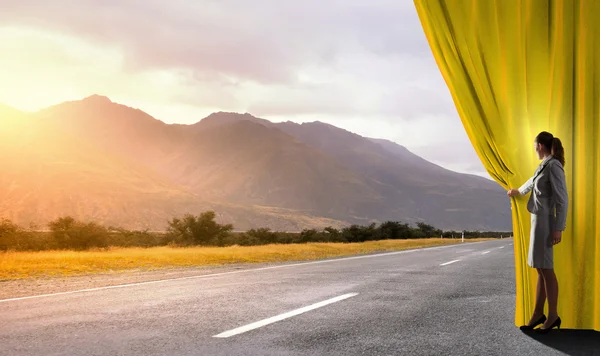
485	252
447	263
280	317
502	246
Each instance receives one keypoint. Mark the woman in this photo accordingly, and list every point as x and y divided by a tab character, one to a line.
549	193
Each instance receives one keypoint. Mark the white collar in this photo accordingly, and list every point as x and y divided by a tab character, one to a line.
545	160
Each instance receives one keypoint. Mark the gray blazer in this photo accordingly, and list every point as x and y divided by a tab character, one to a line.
549	192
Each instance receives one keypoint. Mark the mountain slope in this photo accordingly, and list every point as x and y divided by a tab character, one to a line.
116	128
8	112
48	172
247	163
412	189
100	160
80	158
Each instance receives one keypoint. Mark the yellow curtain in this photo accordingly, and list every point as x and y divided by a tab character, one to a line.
515	68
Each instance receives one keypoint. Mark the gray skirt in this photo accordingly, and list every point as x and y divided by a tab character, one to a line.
541	252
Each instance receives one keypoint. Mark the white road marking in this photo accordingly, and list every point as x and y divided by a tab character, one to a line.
280	317
447	263
502	246
485	252
234	272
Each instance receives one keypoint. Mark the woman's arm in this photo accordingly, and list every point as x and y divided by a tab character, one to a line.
559	189
526	187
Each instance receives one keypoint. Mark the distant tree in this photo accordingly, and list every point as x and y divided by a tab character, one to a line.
331	234
33	226
358	233
331	230
417	234
70	233
450	234
62	224
428	230
309	235
263	235
199	230
394	230
9	234
119	236
8	227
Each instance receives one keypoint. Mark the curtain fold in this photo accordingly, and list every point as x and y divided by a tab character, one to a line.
515	68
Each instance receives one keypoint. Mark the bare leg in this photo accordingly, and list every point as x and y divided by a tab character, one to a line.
552	294
540	298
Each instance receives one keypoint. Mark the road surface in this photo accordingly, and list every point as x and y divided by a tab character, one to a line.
451	300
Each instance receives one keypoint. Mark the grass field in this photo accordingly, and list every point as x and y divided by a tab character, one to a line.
19	265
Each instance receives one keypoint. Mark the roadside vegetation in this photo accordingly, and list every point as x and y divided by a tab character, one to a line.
73	247
67	233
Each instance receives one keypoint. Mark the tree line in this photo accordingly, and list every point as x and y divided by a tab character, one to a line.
203	230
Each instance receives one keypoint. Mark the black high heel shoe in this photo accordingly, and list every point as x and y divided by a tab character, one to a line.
547	330
541	320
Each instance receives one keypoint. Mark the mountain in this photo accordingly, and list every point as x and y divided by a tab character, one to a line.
49	171
116	128
79	159
247	163
406	187
8	112
96	159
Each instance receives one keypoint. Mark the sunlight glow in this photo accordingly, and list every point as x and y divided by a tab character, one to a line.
40	68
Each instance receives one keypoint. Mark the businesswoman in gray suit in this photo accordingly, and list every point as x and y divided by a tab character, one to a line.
548	207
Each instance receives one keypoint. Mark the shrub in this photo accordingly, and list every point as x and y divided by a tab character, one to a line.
78	235
262	235
68	233
394	230
198	230
10	235
135	238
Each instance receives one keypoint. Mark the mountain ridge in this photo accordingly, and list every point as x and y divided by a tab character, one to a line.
256	168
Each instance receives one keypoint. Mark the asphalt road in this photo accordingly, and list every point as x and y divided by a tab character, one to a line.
454	300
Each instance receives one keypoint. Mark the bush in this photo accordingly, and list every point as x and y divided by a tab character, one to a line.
70	233
11	235
357	233
262	235
428	230
135	238
200	230
394	230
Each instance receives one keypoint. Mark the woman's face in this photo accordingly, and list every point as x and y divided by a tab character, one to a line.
539	149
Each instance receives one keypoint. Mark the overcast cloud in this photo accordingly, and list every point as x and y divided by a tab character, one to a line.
362	65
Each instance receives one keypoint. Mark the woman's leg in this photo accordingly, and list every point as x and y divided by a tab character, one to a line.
552	294
540	298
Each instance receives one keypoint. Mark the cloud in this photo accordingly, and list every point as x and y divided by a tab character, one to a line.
259	40
363	65
365	44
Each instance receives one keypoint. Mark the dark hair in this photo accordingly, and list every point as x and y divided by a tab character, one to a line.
552	145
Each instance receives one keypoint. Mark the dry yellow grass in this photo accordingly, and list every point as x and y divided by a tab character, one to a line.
18	265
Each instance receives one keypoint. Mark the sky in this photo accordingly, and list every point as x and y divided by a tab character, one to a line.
362	65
